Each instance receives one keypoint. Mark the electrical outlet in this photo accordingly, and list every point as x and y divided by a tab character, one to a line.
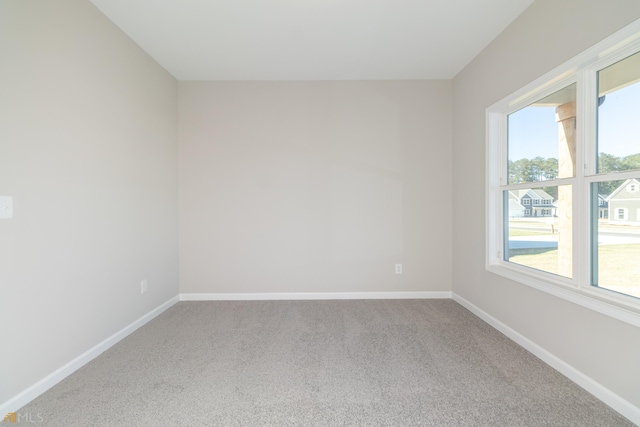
144	286
398	268
6	207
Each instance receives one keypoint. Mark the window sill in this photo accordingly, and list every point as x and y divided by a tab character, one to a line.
609	303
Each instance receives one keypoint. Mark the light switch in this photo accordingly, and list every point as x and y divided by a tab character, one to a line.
6	207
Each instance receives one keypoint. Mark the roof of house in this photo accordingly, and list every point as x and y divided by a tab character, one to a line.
623	185
515	206
532	193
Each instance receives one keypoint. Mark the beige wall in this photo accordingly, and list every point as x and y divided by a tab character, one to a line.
544	36
88	146
315	186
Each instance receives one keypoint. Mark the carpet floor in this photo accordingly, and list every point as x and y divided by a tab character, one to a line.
319	363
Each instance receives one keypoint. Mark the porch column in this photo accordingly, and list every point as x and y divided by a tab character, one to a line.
566	118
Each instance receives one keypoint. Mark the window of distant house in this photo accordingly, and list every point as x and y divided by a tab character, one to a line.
621	214
573	138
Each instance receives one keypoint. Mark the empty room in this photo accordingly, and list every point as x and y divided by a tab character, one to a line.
320	212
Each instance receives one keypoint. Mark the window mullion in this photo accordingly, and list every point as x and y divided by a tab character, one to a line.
538	184
586	106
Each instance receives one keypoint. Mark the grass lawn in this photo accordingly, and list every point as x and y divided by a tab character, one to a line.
618	266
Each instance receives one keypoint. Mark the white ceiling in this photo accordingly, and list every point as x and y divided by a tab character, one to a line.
312	39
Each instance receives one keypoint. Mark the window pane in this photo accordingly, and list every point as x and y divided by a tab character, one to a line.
616	228
618	113
539	228
541	139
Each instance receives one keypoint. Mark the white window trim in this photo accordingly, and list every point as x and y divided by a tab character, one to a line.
581	70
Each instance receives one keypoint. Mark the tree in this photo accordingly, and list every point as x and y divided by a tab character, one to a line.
552	191
631	162
609	163
540	169
532	170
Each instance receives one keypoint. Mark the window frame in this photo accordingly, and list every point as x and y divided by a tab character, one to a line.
581	70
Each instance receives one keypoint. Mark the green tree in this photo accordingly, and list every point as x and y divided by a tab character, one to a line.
540	169
532	170
551	168
609	163
631	162
552	191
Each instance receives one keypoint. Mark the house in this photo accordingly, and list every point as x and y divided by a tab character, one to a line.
624	203
515	208
531	203
603	206
123	174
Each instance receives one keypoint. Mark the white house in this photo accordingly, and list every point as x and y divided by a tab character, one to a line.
530	203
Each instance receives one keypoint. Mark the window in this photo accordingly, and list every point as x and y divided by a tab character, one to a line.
571	139
621	214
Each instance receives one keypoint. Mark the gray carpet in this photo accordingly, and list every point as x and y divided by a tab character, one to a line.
319	363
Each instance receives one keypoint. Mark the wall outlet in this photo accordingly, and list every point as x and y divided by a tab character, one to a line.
144	286
6	207
398	268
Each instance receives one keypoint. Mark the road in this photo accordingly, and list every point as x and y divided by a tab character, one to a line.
607	235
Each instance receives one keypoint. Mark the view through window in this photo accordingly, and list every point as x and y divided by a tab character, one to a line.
541	148
616	222
563	206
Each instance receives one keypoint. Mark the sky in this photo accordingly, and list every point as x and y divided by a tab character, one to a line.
533	131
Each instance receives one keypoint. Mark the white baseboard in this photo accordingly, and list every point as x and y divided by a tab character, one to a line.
26	396
616	402
313	296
